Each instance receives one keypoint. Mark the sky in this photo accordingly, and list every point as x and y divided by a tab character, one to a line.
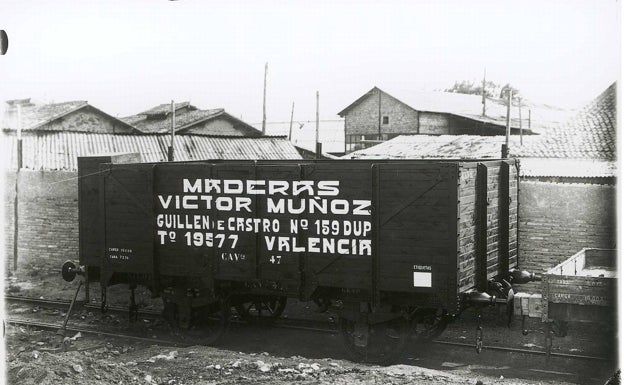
127	56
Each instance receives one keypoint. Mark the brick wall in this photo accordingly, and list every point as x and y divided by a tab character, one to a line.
433	123
48	218
557	220
364	118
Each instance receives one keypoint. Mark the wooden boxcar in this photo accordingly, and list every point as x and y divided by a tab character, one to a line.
393	242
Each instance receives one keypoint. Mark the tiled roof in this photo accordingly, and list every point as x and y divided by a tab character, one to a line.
590	134
431	146
166	108
34	116
157	126
157	120
59	150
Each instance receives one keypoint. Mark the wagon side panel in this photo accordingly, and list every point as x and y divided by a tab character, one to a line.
583	288
279	266
338	238
89	214
416	224
183	231
128	232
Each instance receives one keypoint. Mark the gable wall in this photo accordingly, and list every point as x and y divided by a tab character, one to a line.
217	126
364	118
86	120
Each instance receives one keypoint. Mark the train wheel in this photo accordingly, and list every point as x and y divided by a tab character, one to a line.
205	325
261	308
379	343
425	329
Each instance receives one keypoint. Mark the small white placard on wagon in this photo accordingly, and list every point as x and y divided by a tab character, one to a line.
422	279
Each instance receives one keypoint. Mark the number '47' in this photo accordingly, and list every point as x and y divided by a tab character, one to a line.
275	259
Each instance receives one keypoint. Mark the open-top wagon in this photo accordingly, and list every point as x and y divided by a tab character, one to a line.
398	245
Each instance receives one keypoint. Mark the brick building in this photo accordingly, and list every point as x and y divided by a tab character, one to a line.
567	195
568	191
378	116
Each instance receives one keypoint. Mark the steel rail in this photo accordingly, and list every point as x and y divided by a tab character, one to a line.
50	326
62	304
304	325
522	351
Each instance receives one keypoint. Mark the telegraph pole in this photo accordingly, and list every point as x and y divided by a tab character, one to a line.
170	152
16	199
318	145
520	117
508	130
266	69
379	115
292	112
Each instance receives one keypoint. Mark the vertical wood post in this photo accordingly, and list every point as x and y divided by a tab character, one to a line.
481	228
170	152
292	112
503	218
375	227
520	117
266	70
508	128
317	144
16	199
379	114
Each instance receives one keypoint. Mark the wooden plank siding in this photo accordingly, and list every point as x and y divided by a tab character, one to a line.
416	228
126	204
422	215
581	287
494	238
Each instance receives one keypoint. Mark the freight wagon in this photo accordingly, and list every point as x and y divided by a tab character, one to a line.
397	246
583	288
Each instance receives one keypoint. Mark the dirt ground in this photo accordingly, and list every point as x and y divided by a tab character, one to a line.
97	360
276	356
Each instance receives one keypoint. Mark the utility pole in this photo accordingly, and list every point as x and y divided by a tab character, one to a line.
319	146
508	130
483	93
292	112
379	115
266	70
170	152
16	199
520	117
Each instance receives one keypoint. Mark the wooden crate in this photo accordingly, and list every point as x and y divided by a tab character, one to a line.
582	288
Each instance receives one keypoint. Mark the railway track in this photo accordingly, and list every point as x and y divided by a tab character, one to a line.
76	329
296	324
